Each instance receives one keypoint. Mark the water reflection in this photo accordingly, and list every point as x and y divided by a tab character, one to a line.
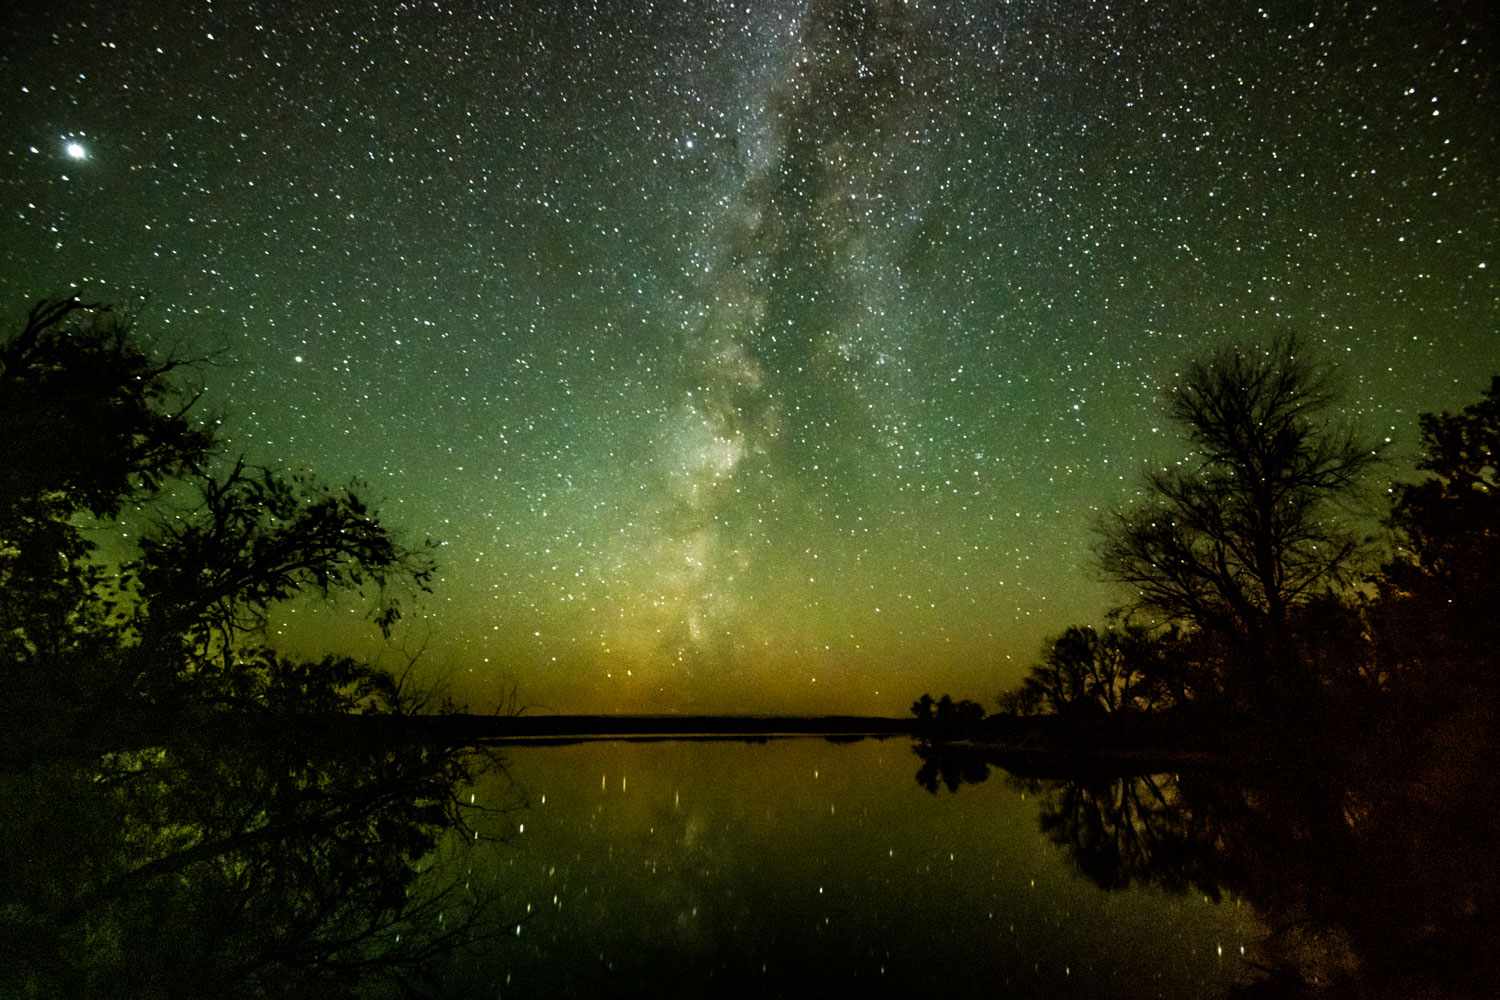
261	864
268	862
798	865
1372	880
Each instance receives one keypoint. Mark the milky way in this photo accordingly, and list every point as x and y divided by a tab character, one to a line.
769	356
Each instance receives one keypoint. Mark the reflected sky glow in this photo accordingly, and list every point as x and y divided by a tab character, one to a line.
783	863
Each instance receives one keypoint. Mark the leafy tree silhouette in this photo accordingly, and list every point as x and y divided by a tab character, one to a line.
89	652
93	422
946	718
1086	673
1440	591
237	824
207	583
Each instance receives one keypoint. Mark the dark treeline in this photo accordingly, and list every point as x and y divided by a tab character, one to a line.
1335	658
177	816
1268	590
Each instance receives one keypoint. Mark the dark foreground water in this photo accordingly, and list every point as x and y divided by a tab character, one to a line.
337	862
686	869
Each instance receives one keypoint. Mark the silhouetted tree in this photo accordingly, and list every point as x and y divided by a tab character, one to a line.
964	714
185	811
945	717
1086	673
92	421
1334	633
1020	700
1233	540
206	582
1441	589
96	421
1446	516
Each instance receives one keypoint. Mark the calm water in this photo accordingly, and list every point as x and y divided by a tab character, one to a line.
685	868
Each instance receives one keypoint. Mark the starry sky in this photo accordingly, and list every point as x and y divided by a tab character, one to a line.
759	356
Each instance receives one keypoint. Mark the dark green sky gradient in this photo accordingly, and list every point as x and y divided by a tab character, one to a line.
768	360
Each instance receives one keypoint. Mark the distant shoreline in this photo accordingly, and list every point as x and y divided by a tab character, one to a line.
1038	746
1032	739
551	728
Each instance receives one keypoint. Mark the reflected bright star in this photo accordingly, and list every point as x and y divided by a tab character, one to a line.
76	151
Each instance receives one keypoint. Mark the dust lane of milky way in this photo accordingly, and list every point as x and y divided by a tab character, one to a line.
756	357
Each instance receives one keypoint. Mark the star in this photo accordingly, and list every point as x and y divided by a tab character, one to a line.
754	323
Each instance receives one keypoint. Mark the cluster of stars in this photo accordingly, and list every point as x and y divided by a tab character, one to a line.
700	332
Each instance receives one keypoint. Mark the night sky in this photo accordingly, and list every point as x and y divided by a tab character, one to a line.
755	357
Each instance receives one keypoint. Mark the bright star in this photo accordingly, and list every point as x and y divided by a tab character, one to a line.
76	151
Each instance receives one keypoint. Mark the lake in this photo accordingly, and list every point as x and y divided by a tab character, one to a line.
337	860
695	868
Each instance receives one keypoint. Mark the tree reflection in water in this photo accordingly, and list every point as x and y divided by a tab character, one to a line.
274	861
1371	882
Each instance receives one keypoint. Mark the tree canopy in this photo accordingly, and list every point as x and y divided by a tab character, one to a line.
231	829
1088	672
1250	586
1440	589
1249	528
103	422
1449	522
93	418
